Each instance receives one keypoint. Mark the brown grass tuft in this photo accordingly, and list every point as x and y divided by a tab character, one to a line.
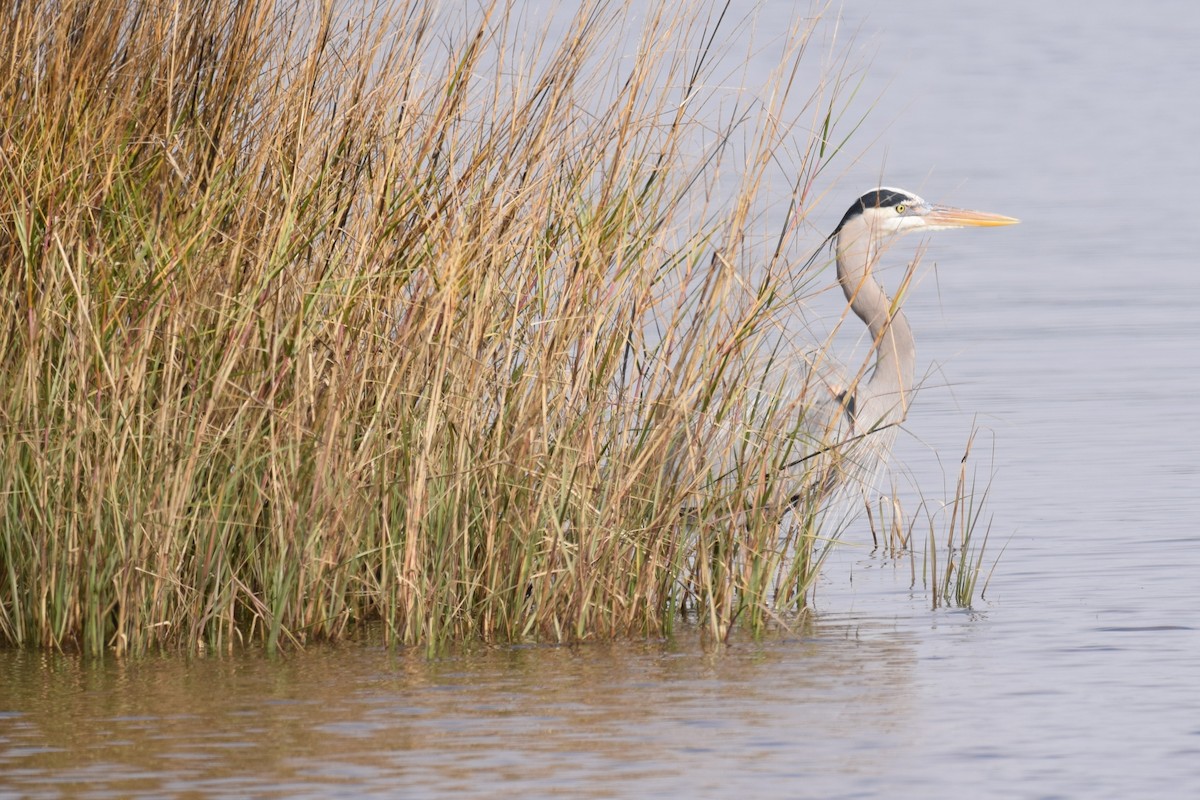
310	320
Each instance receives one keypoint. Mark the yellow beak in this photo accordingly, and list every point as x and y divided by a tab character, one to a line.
948	217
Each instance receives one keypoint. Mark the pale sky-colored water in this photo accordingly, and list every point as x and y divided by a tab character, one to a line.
1070	341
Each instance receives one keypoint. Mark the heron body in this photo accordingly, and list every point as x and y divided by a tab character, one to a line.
868	411
839	448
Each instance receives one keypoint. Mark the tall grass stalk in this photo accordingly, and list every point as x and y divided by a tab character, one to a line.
310	320
954	581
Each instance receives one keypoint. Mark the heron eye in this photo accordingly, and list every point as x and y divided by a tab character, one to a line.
900	208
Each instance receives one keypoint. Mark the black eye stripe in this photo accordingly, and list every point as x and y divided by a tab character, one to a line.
876	198
881	198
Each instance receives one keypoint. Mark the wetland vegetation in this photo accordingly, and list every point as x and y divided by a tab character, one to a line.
314	316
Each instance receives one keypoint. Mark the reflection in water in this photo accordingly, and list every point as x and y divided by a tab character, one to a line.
588	720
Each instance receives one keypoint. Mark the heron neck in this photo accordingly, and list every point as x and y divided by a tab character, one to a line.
895	350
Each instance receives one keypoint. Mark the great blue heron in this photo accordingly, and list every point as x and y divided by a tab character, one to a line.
841	443
872	408
858	240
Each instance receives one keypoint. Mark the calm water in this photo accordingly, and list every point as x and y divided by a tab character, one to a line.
1070	340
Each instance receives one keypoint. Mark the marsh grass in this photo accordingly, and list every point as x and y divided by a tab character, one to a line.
954	562
941	542
311	320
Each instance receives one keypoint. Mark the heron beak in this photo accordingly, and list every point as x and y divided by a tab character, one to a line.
949	217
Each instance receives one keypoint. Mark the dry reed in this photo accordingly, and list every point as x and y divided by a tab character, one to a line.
311	320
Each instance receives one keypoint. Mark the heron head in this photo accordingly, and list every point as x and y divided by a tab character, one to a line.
887	211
